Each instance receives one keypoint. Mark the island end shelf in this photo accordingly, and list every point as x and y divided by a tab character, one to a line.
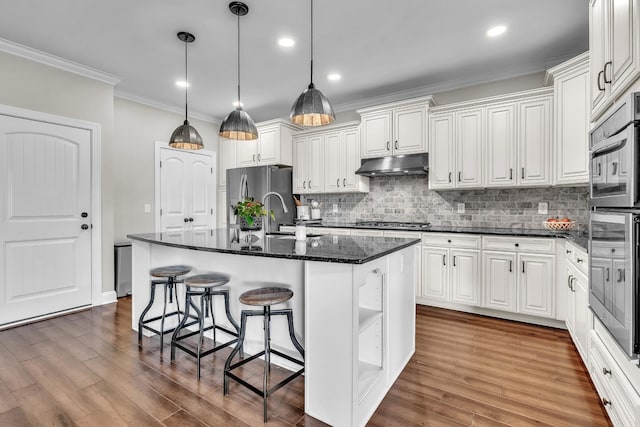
354	305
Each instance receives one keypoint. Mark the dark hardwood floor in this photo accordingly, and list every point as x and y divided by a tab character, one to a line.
86	369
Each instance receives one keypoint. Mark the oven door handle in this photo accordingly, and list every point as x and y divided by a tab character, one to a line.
608	148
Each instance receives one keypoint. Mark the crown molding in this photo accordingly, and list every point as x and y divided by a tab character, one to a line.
573	64
509	97
35	55
162	106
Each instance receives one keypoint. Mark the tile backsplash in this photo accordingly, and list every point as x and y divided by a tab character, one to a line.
408	198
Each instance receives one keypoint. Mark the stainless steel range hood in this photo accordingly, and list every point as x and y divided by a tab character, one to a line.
409	164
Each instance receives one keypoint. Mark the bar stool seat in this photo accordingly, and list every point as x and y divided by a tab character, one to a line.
168	276
264	297
205	286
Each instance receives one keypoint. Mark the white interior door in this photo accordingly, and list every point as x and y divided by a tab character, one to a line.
45	199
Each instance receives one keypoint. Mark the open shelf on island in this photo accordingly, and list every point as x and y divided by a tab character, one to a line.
368	374
367	317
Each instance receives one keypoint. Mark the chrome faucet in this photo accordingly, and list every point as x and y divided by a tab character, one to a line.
273	193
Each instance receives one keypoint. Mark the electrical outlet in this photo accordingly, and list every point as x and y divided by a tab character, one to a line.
335	208
147	208
543	208
461	208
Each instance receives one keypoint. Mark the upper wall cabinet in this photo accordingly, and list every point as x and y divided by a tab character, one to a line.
273	146
392	129
502	141
571	125
614	44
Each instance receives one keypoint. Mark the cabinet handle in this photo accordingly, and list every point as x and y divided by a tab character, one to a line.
600	88
459	176
450	176
309	184
523	266
606	401
258	157
579	260
444	260
395	145
569	281
568	251
573	287
454	260
606	371
388	145
338	182
254	157
344	182
599	169
510	266
522	173
620	275
304	184
615	168
607	279
510	173
604	72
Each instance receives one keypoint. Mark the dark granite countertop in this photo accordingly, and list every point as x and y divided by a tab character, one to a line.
340	249
578	237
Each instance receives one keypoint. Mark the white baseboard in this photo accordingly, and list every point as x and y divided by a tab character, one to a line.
107	297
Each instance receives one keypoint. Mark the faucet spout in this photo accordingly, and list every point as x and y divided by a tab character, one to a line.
273	193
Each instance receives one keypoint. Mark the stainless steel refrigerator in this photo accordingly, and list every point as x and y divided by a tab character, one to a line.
256	182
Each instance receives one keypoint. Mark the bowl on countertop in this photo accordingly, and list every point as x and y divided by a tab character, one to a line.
559	225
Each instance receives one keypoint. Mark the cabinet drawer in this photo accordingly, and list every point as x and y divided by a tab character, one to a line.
287	228
452	240
366	233
578	257
613	250
519	244
403	234
613	385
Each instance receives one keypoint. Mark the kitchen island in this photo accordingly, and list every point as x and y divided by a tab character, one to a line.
353	304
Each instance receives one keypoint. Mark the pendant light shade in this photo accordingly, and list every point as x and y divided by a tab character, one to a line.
238	124
185	136
312	108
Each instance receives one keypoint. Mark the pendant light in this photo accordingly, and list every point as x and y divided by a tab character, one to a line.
312	108
186	136
238	124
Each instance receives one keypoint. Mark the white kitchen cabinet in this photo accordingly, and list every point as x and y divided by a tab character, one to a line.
614	44
393	129
469	148
578	314
465	276
501	150
571	121
435	280
308	165
534	141
418	257
221	207
273	146
441	151
341	160
517	280
226	159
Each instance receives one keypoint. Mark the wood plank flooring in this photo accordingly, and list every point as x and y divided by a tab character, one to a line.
86	369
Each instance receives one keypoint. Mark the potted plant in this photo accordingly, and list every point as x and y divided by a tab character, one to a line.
250	214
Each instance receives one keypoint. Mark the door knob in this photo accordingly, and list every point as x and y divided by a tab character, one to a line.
190	219
186	220
84	226
84	214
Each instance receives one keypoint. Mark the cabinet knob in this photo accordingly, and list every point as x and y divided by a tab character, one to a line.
517	244
579	260
568	251
449	241
606	371
186	220
190	219
606	401
84	226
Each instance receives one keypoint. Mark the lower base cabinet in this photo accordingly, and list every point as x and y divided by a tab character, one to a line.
579	317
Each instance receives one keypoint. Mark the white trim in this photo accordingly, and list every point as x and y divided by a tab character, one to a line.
96	184
579	61
399	104
119	93
108	297
509	97
35	55
43	317
160	145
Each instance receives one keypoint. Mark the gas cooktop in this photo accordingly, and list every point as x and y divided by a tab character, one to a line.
395	224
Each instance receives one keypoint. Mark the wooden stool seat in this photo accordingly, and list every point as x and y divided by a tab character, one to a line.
208	280
266	296
170	271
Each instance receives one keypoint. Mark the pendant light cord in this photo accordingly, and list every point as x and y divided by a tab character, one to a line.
186	81
311	85
239	103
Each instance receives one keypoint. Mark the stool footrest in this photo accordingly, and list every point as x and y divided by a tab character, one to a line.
203	353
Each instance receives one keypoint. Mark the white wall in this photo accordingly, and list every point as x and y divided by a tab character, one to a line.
34	86
136	129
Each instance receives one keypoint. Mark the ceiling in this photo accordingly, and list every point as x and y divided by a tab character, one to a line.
382	48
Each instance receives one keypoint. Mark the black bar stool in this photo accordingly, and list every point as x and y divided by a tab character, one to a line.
265	297
169	279
203	286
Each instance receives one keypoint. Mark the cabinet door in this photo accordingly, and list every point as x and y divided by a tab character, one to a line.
221	208
350	160
582	313
333	162
534	142
536	284
314	159
597	54
465	277
410	130
376	134
572	116
469	148
571	300
269	146
501	145
441	154
435	273
247	153
622	45
499	280
227	155
299	165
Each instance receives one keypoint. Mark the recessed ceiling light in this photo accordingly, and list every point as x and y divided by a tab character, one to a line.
334	77
496	31
286	42
235	104
182	83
